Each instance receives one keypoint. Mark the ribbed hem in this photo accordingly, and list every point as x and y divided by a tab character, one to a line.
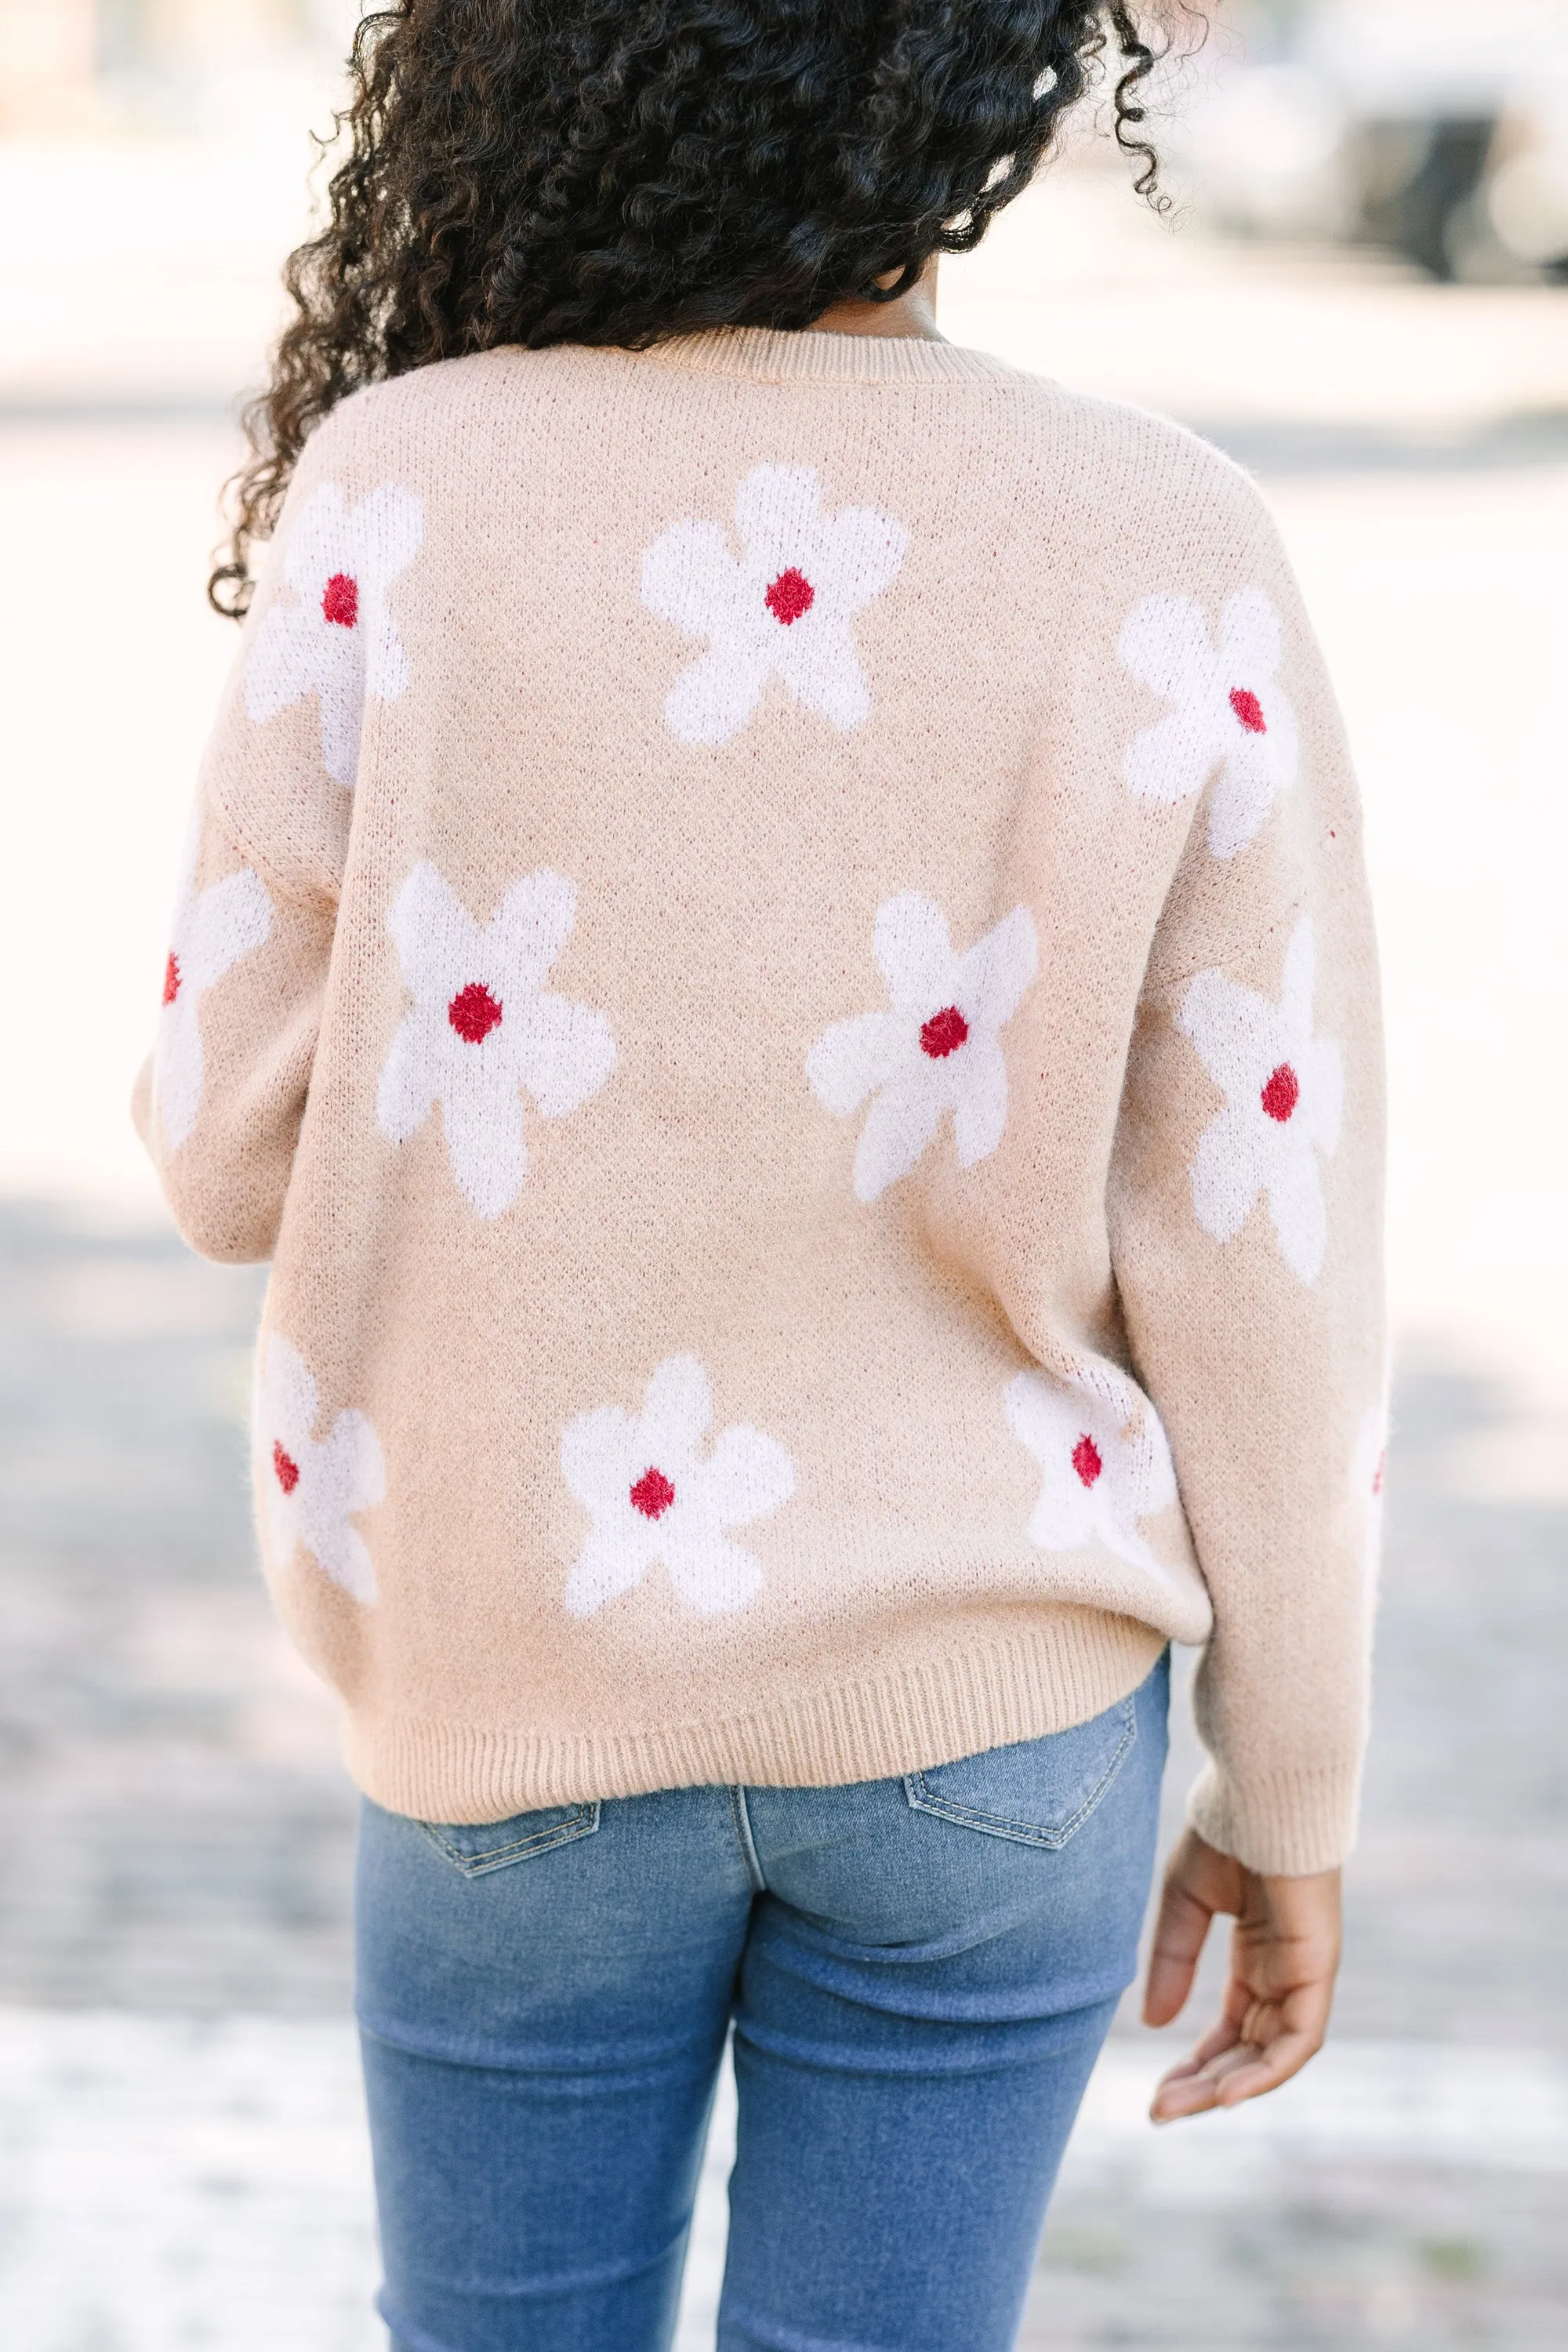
1284	1824
1072	1669
775	355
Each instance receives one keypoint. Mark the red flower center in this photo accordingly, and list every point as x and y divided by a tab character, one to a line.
170	978
790	595
943	1033
1282	1092
652	1495
473	1013
1086	1459
286	1468
1248	709
339	600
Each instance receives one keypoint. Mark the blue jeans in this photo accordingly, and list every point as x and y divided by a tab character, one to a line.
919	1973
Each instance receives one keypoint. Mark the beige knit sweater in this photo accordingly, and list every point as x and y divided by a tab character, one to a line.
775	950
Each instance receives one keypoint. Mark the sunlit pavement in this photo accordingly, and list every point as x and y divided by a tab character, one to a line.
181	2160
219	2169
174	1844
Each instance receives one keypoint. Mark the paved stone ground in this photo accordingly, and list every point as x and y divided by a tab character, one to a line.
174	1828
175	1839
215	2173
182	2168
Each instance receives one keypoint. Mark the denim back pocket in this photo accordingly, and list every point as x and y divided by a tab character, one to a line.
1038	1791
478	1846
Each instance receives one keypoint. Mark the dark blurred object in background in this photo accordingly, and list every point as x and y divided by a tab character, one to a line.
1353	295
1435	127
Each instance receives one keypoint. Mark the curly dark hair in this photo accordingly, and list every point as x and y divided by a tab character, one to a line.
540	171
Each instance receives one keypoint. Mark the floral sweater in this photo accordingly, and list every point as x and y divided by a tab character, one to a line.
774	948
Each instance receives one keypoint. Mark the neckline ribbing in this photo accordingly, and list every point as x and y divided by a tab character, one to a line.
811	354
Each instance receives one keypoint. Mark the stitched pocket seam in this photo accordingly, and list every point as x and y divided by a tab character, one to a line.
580	1824
927	1799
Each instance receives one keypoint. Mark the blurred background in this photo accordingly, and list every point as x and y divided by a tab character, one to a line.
1361	290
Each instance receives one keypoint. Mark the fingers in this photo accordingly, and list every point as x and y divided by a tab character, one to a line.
1238	2072
1187	2090
1198	1883
1285	1955
1191	2086
1253	2072
1253	2049
1179	1936
1220	2038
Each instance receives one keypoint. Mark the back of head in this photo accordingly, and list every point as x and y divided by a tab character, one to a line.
539	172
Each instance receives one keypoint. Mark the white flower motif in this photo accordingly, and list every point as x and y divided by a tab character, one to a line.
311	1491
1230	713
783	610
1285	1093
212	929
1103	1458
337	641
653	1498
935	1050
480	1028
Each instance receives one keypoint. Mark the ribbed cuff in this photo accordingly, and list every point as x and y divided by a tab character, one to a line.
1285	1824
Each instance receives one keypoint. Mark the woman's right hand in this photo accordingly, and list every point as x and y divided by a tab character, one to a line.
1284	1957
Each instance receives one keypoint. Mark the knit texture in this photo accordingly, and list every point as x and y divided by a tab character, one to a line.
775	950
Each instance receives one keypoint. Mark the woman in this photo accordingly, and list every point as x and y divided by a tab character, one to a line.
774	948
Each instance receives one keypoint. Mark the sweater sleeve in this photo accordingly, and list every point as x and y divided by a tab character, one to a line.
1246	1204
219	1101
